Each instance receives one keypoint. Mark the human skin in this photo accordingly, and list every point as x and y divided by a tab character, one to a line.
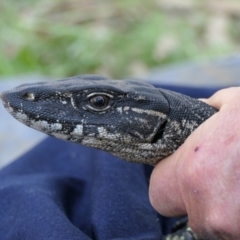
202	178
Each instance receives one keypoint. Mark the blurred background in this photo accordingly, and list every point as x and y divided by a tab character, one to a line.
190	42
118	38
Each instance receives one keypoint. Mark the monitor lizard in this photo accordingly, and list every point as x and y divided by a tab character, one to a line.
130	119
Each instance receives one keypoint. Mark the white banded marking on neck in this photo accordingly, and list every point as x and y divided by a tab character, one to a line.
149	112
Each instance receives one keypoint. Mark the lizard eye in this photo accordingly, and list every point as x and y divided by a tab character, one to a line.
99	102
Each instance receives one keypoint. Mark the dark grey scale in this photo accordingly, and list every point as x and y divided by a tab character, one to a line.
130	119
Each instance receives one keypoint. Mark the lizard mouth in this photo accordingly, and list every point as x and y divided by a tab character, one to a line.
159	132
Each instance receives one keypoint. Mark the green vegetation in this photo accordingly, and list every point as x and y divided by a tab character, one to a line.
114	38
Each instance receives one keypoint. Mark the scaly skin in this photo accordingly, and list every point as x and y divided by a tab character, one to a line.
137	122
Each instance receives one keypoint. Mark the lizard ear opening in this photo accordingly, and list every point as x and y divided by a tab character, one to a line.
159	132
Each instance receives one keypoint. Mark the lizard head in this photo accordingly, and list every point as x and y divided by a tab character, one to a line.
125	118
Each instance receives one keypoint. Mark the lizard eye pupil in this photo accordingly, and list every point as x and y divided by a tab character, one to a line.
99	101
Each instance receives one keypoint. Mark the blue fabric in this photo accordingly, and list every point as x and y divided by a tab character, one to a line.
60	190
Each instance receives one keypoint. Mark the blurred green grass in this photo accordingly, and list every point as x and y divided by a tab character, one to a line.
114	38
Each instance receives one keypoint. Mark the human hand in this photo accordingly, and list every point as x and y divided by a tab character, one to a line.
202	178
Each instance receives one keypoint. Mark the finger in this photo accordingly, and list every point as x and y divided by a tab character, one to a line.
223	97
164	190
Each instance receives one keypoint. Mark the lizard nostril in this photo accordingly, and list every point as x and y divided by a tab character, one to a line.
29	96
